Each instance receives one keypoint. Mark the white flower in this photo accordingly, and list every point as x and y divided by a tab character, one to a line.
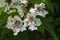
38	10
25	19
9	22
15	1
13	5
42	5
32	28
33	12
2	3
15	24
24	1
41	11
18	7
36	6
7	8
20	10
32	23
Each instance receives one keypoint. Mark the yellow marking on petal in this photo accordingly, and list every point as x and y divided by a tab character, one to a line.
31	23
11	11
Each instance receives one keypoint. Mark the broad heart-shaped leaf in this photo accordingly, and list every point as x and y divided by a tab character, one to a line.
47	26
48	3
1	9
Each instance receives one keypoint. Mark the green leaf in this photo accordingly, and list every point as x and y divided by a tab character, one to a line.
41	29
3	19
1	10
46	25
23	36
49	5
35	1
7	34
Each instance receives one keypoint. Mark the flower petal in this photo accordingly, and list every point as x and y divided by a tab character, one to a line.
20	11
42	5
15	34
17	18
43	13
32	28
23	29
38	22
25	22
16	31
2	3
24	1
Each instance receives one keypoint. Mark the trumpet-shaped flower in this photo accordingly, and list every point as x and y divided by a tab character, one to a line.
15	24
33	12
32	22
24	18
24	1
39	10
7	8
2	3
43	13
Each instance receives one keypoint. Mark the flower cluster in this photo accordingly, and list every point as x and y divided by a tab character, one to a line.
25	20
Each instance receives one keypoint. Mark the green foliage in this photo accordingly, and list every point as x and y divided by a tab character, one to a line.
1	10
47	26
7	34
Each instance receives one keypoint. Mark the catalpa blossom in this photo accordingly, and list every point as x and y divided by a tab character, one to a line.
7	8
20	10
32	22
20	1
33	12
15	23
2	3
15	4
24	1
18	23
39	9
15	1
